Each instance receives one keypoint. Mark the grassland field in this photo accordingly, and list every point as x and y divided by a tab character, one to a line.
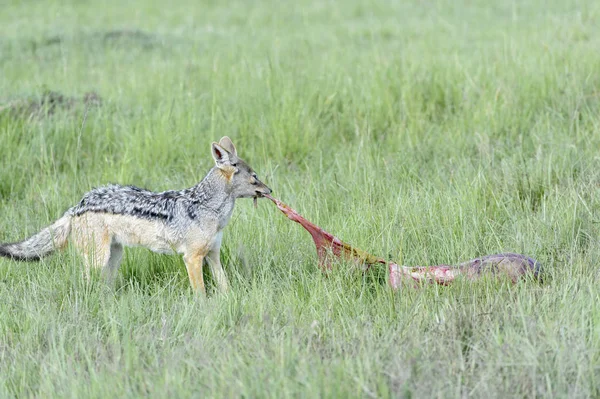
427	132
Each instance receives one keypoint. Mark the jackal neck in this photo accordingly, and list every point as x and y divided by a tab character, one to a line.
214	191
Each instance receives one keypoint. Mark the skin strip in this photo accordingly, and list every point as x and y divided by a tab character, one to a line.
328	246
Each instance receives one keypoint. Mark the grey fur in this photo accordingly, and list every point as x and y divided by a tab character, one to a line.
134	201
210	195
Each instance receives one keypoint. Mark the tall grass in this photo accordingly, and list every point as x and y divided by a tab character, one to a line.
425	132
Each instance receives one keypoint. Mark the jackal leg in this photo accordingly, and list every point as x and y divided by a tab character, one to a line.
214	262
110	268
96	253
193	263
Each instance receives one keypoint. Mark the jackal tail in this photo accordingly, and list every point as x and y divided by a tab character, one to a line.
41	244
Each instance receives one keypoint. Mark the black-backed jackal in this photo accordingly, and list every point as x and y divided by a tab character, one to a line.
188	222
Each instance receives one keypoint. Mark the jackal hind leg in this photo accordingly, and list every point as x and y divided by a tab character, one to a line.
94	244
111	267
194	260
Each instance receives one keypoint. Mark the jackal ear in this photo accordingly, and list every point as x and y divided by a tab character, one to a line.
226	143
221	155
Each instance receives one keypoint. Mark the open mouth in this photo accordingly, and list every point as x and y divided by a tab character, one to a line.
256	197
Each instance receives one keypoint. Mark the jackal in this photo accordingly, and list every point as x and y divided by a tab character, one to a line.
188	222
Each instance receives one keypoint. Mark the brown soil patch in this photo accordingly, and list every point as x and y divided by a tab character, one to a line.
48	104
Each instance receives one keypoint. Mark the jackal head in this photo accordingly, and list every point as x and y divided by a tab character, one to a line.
243	180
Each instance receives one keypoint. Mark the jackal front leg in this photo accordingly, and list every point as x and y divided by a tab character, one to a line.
214	262
193	263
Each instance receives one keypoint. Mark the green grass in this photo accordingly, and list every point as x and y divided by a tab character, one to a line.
429	132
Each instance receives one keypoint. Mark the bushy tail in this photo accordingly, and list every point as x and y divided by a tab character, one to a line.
41	244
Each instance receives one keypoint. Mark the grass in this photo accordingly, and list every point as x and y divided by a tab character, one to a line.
427	132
